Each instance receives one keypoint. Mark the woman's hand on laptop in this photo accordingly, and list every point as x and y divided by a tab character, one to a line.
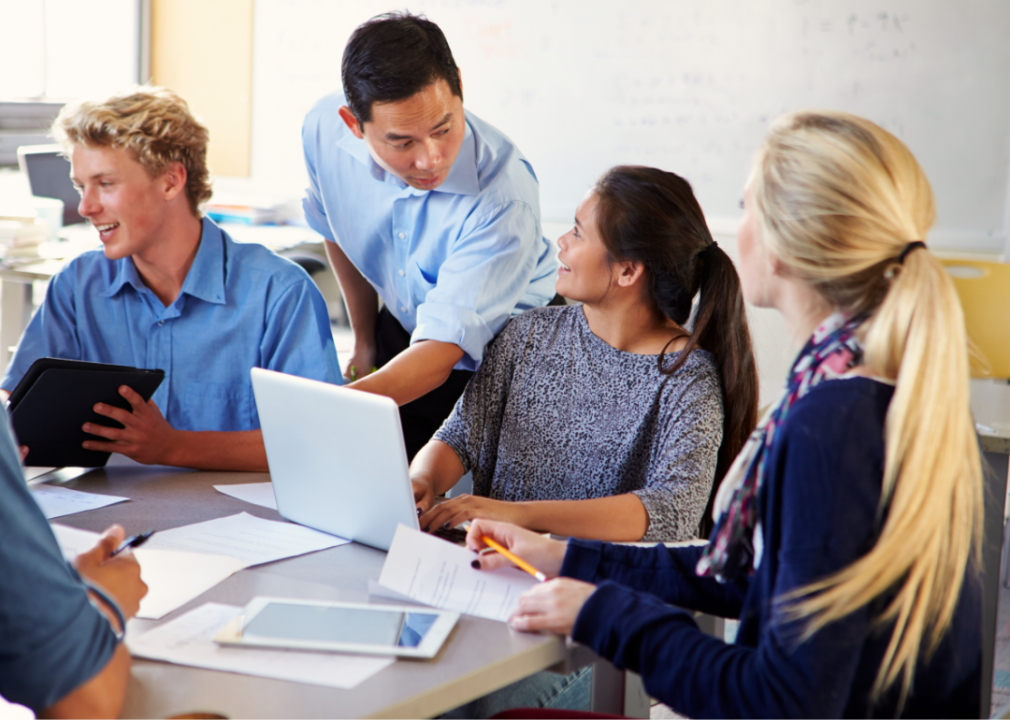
468	507
424	495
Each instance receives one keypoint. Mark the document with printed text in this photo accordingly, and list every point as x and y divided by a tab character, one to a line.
248	538
57	501
438	573
187	640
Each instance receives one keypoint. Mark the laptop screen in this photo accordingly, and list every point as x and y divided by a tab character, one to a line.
48	175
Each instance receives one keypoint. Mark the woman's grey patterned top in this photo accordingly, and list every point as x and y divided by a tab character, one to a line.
555	413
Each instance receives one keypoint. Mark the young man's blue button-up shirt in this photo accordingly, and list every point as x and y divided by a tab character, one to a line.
241	306
452	264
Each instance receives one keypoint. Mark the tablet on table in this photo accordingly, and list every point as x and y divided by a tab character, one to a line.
340	627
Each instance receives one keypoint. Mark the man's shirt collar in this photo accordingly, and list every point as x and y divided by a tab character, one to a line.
205	279
462	178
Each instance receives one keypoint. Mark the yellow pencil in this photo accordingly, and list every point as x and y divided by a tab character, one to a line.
519	562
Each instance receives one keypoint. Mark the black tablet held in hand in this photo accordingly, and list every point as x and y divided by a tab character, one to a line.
56	397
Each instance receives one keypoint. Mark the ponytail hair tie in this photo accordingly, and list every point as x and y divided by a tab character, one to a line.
707	249
909	248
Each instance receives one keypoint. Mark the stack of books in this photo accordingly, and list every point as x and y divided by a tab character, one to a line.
20	236
242	214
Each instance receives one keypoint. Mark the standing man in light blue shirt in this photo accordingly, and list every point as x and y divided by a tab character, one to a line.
428	208
171	290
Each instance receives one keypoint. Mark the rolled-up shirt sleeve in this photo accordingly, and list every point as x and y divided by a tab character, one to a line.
481	281
312	203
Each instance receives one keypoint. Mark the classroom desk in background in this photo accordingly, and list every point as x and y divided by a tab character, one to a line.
480	655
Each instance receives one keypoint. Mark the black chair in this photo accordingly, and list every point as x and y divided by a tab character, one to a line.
310	263
995	466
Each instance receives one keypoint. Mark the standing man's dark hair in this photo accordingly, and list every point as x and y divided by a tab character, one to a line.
392	57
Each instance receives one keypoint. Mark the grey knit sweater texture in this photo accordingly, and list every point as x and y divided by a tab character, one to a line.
555	413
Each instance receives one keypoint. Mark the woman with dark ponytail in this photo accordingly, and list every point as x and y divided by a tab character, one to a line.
634	216
617	418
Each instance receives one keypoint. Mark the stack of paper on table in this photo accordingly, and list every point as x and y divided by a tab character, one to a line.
181	564
438	573
187	640
251	539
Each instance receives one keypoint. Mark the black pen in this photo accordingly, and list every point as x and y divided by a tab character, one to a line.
132	542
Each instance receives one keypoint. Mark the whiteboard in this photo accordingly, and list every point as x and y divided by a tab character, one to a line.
688	86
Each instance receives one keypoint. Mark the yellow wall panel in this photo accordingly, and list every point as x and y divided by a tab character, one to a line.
203	51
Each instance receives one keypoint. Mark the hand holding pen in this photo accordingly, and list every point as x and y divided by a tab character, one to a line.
552	606
541	555
134	541
117	574
517	561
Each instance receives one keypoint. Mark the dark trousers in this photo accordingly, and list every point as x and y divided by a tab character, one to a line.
422	417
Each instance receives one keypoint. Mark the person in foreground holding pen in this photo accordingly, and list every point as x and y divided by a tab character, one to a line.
849	529
171	290
61	625
608	420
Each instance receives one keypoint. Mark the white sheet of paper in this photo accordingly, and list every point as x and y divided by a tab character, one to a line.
438	573
380	591
57	501
73	541
187	640
248	538
261	493
173	577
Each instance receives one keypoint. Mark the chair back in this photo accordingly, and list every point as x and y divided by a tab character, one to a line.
984	289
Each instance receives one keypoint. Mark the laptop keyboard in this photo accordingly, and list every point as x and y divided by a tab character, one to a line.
454	535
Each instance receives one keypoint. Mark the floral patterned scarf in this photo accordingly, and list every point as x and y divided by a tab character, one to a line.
735	545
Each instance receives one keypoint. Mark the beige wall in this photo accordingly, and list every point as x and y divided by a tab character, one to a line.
203	50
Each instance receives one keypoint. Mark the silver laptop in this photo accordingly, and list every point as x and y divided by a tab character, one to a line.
336	456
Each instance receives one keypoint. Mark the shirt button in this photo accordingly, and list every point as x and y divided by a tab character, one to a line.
403	309
402	236
401	272
160	323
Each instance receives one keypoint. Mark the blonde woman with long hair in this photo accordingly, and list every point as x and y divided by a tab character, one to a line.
848	531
